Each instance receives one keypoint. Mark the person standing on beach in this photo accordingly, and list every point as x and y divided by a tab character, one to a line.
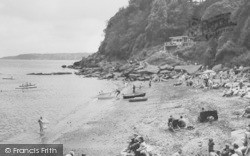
150	83
117	92
40	121
133	88
210	146
247	141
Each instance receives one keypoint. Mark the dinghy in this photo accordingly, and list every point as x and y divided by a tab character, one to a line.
130	96
138	99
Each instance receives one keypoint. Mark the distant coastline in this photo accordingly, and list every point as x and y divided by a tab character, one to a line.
49	56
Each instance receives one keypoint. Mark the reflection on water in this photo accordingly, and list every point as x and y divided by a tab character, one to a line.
60	99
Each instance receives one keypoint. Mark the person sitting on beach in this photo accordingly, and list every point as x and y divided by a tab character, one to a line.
225	151
237	149
143	147
246	112
210	119
233	153
135	146
170	120
182	123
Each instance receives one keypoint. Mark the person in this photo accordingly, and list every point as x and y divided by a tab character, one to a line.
170	120
210	146
182	123
149	83
232	153
143	147
71	153
202	109
179	153
133	88
117	92
237	149
225	151
40	121
132	141
246	111
247	141
135	146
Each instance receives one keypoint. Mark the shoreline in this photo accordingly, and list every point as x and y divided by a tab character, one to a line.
109	134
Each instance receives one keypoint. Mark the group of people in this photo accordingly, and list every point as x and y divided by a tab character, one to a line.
137	147
212	80
176	124
233	150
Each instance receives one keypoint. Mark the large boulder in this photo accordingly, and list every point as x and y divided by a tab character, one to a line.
150	69
166	67
238	137
217	68
190	69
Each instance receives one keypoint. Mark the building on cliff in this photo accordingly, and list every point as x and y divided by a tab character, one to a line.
178	42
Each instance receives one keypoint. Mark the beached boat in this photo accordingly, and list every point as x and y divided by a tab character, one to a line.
105	97
138	99
129	96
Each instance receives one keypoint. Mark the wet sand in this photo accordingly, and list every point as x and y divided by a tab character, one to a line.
107	133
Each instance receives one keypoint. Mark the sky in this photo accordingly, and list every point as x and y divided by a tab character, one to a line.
54	26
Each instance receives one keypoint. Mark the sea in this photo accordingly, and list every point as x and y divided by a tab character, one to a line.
67	102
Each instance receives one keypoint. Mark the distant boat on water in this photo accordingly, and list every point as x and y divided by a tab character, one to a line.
27	86
8	78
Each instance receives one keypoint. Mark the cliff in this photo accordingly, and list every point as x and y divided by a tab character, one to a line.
144	25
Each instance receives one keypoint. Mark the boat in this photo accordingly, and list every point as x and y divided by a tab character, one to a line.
8	78
138	99
30	87
27	86
129	96
105	97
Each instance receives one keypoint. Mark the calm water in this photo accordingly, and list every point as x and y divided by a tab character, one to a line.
60	99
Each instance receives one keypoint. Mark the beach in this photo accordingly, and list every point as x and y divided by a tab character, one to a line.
86	125
108	132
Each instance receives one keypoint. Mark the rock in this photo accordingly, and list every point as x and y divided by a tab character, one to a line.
238	137
190	69
64	66
109	76
166	67
217	68
165	72
150	69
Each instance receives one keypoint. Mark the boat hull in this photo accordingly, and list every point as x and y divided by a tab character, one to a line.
27	87
138	99
134	95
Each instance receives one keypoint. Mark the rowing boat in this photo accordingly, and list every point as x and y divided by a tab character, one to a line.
105	97
129	96
31	87
138	99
